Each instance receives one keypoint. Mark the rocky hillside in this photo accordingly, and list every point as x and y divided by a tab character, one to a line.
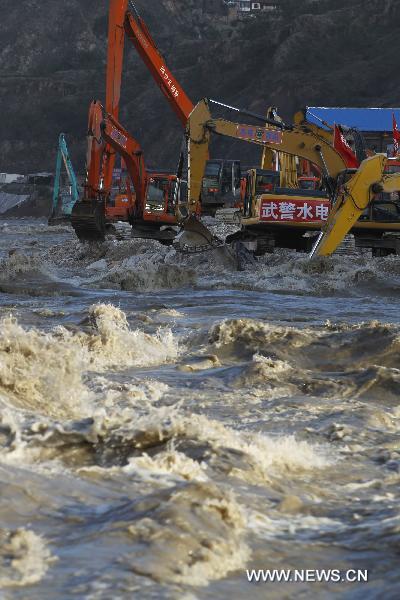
52	63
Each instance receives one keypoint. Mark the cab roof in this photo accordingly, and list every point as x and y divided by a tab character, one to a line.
364	119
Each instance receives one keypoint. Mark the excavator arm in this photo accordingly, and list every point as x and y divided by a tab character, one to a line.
115	55
120	140
352	200
138	33
61	208
291	140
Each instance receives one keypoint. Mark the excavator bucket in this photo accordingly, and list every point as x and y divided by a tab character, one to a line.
349	206
88	221
195	237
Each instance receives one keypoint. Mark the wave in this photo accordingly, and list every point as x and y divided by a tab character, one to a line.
325	348
24	558
45	371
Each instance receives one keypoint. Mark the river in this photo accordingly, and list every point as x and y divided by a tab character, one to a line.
167	422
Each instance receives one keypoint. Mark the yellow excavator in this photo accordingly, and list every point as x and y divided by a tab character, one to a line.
353	198
350	191
276	136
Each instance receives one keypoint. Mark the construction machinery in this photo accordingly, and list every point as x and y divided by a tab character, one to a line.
221	186
89	214
267	216
64	196
144	199
151	207
89	217
354	197
98	206
148	205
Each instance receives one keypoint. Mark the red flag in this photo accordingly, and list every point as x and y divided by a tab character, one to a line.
340	144
396	137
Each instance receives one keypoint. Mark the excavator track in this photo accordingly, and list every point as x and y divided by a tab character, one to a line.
88	221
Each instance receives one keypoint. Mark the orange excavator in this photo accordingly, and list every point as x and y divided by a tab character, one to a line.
89	214
151	203
155	194
138	33
149	206
221	184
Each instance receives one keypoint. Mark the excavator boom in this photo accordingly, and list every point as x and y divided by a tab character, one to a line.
115	55
100	158
356	196
62	205
291	140
138	33
120	140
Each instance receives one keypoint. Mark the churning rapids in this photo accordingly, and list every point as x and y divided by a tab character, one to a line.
167	422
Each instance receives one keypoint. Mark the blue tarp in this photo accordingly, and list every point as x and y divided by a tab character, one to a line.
365	119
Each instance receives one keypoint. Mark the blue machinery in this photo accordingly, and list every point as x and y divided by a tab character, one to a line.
64	197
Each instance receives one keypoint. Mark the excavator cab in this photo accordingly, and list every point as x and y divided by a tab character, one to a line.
309	183
385	202
258	181
220	185
155	196
162	195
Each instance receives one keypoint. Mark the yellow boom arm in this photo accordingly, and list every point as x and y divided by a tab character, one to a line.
355	197
301	122
293	141
303	140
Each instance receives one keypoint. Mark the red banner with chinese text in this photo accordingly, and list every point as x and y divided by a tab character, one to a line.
294	210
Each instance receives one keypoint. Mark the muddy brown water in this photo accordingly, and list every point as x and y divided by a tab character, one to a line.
167	423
